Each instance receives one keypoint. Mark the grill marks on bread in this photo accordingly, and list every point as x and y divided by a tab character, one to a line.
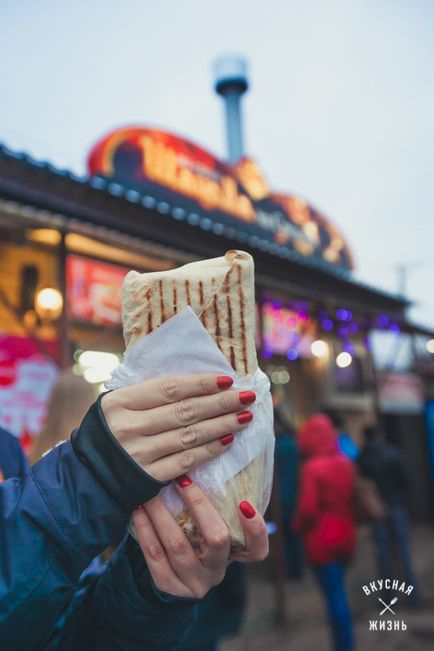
163	312
242	305
220	292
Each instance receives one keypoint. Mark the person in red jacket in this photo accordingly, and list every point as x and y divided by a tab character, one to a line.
325	518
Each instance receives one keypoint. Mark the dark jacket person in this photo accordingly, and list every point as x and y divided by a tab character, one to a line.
385	465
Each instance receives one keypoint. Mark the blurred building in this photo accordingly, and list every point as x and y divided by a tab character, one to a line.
153	201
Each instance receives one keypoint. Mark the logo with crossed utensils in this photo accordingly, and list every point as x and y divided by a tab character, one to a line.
388	606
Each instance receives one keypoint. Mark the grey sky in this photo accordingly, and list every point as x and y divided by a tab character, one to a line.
340	111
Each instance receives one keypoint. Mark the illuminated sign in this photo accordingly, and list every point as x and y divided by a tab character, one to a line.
179	172
94	290
26	380
286	332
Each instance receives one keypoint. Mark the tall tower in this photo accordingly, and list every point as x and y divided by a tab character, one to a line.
230	78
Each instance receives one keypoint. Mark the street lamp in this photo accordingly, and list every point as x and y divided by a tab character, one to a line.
48	303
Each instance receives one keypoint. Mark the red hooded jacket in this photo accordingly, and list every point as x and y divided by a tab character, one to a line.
325	509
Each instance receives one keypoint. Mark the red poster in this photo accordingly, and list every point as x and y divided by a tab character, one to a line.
94	290
26	380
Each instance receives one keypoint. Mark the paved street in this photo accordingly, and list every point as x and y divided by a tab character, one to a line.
306	629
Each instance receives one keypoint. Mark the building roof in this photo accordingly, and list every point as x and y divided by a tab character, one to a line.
104	203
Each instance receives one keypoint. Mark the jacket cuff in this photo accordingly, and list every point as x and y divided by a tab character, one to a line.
96	447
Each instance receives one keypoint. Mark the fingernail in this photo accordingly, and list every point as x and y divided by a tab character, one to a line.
247	509
184	481
244	417
228	438
247	397
224	381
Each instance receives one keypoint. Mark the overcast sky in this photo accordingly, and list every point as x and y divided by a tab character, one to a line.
340	109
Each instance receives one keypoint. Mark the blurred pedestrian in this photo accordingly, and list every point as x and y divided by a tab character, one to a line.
287	474
325	519
220	615
69	401
386	466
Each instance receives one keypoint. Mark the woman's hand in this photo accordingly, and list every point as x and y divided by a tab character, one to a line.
172	425
178	569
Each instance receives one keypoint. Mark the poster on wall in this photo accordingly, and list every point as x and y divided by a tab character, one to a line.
400	393
94	290
286	332
26	380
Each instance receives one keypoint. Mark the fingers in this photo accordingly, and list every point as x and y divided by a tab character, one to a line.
170	467
155	555
179	552
190	436
188	411
163	391
255	532
213	530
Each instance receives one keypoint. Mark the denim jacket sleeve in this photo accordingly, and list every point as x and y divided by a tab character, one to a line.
53	521
118	608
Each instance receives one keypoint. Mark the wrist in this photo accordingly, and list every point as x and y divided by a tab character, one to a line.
96	447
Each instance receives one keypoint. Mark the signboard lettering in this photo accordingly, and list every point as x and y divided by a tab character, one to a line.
184	175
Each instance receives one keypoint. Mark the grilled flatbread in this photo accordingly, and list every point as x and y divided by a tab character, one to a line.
221	293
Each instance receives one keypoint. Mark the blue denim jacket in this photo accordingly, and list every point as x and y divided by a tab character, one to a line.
54	521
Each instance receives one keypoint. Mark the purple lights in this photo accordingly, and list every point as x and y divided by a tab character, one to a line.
327	325
290	326
343	333
344	315
348	347
382	321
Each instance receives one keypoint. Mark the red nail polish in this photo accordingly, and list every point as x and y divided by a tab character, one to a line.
247	509
228	438
247	397
244	417
224	381
184	481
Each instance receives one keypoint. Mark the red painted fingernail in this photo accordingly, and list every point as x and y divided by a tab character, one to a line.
228	438
224	381
247	509
244	417
184	481
247	397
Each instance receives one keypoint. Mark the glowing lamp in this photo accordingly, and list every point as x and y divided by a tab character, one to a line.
430	346
319	348
343	360
97	366
49	303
